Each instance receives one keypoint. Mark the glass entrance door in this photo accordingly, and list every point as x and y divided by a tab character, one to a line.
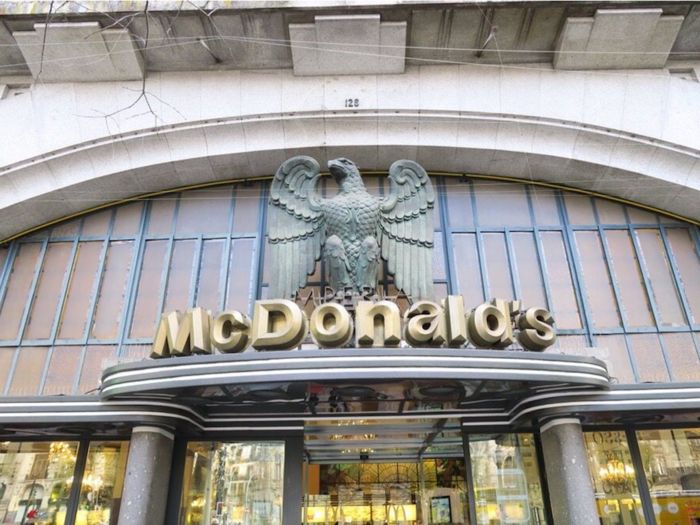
431	491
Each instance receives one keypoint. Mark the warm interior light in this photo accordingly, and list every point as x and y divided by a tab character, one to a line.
616	472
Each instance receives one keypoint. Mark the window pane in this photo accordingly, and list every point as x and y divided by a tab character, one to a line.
618	362
613	477
63	369
501	204
128	219
3	258
544	204
80	291
648	357
569	342
148	294
20	281
66	229
97	223
246	209
633	296
500	284
97	358
28	371
682	356
639	216
113	289
467	269
459	204
439	270
609	212
48	290
6	357
507	478
671	461
204	211
579	209
556	265
210	287
660	278
596	280
160	221
103	480
240	276
686	258
36	477
529	274
249	479
437	221
177	292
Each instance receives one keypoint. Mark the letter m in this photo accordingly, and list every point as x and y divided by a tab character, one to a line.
183	334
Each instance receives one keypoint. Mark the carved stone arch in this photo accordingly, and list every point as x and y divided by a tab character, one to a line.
88	175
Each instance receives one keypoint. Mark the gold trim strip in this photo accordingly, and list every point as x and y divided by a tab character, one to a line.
543	184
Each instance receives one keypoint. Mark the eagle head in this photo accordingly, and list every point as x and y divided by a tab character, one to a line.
344	172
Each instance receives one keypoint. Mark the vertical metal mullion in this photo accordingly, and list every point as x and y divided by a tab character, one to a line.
485	288
645	277
530	205
676	276
543	268
78	473
650	296
79	369
630	355
479	244
168	256
11	372
613	278
448	247
131	293
514	277
644	494
259	249
228	249
98	282
97	286
194	274
32	291
537	438
177	475
471	492
574	270
64	291
6	271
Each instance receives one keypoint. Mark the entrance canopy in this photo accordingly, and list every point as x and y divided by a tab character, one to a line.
354	384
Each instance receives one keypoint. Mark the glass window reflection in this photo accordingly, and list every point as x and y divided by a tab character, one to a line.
507	484
103	480
35	480
671	460
233	483
614	479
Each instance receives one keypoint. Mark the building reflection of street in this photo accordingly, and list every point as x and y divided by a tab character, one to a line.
36	479
233	484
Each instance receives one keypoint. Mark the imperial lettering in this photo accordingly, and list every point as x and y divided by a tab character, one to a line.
282	325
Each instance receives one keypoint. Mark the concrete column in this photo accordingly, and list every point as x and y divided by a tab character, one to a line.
568	477
147	475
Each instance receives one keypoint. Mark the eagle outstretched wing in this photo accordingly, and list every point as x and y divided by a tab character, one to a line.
295	221
406	223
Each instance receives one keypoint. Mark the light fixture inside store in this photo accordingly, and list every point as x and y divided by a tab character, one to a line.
61	452
616	473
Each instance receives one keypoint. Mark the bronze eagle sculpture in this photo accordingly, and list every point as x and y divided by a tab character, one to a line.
351	231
